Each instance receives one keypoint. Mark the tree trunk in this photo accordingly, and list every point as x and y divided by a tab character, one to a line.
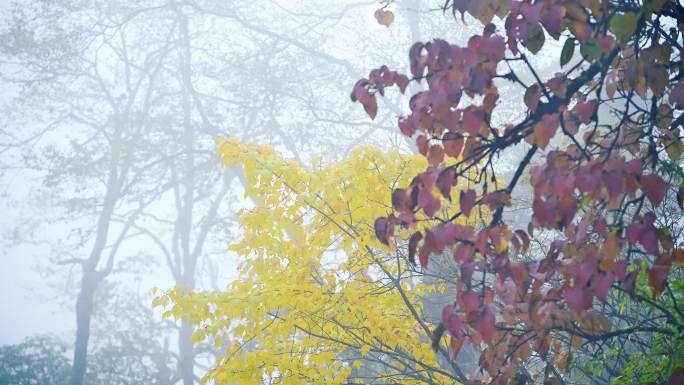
84	312
187	359
184	221
91	276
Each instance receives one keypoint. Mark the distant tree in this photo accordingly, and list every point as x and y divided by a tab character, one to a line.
136	351
40	360
130	352
87	121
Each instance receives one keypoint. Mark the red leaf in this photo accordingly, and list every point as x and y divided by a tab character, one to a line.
428	202
407	126
467	270
657	275
601	226
600	284
482	241
413	244
582	273
531	12
445	181
577	298
570	122
442	236
648	219
371	107
427	179
551	18
649	239
453	144
567	207
463	253
437	336
633	232
424	253
606	43
485	324
588	178
451	320
495	199
532	95
435	155
401	200
383	229
469	301
582	30
472	122
402	82
620	270
467	201
544	130
360	91
657	77
558	85
491	47
417	60
561	185
422	144
586	110
406	218
614	182
544	212
654	188
677	377
516	244
455	344
489	103
524	238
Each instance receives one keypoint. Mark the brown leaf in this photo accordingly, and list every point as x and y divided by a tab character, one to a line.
435	155
453	144
532	95
383	17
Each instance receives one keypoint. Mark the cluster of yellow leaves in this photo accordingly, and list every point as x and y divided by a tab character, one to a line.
318	300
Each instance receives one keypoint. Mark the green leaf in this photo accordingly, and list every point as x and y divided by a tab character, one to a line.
590	50
535	39
624	26
567	52
651	6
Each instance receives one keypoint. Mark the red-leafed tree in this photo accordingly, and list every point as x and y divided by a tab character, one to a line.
603	145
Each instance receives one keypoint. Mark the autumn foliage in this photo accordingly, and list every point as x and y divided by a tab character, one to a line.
603	150
317	299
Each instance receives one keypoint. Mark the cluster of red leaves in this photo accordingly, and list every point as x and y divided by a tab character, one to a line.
520	306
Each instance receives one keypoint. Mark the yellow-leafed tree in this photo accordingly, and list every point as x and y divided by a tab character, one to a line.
319	300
